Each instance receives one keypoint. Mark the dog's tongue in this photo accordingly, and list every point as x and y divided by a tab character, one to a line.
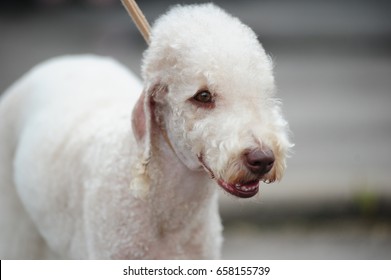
240	190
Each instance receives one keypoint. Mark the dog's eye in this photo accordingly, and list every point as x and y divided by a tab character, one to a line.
203	96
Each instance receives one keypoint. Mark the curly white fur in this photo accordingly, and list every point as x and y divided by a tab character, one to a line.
69	152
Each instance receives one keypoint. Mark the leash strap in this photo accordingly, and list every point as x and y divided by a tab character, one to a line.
138	18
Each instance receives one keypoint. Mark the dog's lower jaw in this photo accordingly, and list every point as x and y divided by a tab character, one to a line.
245	190
242	190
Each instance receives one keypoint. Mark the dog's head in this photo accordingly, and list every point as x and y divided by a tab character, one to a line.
210	88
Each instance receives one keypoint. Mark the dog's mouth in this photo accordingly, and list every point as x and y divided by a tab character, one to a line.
242	190
245	190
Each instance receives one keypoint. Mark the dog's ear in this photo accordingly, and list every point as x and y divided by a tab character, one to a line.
143	123
141	118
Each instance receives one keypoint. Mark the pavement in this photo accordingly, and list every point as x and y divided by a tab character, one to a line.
333	72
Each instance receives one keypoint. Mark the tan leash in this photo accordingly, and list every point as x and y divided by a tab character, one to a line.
139	19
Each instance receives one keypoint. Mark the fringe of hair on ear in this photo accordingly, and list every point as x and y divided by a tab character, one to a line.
140	184
138	18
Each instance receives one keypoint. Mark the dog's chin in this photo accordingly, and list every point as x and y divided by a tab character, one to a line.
242	190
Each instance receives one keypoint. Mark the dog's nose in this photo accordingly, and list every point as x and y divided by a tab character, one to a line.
259	161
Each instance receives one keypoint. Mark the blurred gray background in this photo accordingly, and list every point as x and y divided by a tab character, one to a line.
333	72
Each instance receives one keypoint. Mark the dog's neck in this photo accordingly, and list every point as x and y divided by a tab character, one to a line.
178	194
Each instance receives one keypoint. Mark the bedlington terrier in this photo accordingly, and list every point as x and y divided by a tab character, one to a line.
91	169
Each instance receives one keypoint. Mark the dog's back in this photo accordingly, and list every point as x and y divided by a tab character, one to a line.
66	110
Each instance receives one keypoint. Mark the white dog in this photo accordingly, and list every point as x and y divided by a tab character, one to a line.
92	170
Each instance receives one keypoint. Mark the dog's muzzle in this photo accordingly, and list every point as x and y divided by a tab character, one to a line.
259	162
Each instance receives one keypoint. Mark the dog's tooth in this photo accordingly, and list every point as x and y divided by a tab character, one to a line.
245	188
